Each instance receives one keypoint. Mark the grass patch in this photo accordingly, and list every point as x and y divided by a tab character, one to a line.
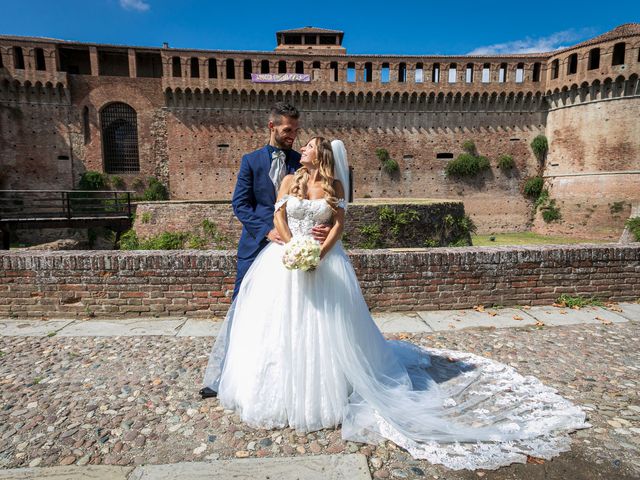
568	301
526	238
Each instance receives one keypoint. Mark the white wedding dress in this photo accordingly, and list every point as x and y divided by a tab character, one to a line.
300	349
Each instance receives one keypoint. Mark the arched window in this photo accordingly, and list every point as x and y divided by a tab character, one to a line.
618	54
195	68
351	72
213	68
299	66
520	73
402	72
177	68
40	63
18	58
384	73
247	67
368	71
231	69
486	73
435	73
119	138
282	66
502	73
594	59
468	73
453	73
572	64
333	66
419	76
555	69
536	72
264	66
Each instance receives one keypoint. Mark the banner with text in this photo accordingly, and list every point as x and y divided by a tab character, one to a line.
279	77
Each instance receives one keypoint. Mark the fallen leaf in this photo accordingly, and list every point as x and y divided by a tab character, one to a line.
576	307
604	321
539	323
563	312
526	307
535	460
451	325
451	359
517	317
479	308
493	314
559	305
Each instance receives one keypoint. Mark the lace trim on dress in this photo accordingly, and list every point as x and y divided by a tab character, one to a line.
342	204
281	202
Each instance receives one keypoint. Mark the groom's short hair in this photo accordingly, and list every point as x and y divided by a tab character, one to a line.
282	109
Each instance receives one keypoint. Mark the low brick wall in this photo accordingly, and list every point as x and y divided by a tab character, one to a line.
199	283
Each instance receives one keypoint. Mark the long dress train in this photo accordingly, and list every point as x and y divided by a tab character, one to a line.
300	349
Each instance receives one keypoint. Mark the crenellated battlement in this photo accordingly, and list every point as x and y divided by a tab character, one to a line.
320	68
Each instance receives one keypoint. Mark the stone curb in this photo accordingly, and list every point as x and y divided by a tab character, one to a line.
388	322
321	467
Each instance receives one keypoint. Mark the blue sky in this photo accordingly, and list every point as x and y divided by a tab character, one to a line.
376	27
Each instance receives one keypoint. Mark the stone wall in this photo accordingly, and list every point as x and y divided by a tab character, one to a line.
425	221
84	284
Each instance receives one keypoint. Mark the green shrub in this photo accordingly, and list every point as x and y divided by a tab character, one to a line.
616	207
390	166
568	301
146	217
466	165
470	147
397	220
467	225
129	240
210	229
138	185
633	224
506	162
156	191
165	241
382	154
533	187
117	182
373	236
542	199
550	212
92	180
540	146
431	243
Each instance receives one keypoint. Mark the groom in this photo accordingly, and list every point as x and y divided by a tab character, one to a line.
261	173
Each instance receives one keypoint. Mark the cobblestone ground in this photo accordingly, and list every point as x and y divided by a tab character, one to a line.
133	400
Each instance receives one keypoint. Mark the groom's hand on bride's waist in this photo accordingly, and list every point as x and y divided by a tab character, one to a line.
320	232
274	236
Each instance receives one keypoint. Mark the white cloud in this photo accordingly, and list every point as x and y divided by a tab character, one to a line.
139	5
555	41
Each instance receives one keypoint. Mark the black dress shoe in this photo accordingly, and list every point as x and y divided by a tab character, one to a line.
206	392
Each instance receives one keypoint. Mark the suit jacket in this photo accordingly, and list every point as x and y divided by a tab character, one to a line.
254	198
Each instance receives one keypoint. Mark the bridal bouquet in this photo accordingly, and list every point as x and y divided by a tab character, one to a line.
301	253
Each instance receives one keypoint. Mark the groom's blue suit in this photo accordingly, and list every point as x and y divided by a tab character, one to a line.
253	203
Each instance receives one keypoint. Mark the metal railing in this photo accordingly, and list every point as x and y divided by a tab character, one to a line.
35	205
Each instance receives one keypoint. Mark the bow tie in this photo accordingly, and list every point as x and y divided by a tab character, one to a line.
278	168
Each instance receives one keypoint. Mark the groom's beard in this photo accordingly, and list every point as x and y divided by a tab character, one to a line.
281	142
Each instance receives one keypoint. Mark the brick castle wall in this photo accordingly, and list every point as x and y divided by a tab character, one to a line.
115	284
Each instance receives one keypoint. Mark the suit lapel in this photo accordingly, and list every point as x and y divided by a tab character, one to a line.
266	160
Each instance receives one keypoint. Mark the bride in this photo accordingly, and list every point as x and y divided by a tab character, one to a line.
300	349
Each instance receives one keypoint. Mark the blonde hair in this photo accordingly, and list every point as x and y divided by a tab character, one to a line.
325	161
